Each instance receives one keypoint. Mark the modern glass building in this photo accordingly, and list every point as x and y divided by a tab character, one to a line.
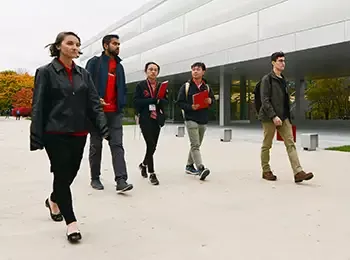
235	40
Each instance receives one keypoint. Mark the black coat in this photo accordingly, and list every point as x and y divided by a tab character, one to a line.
142	100
274	98
200	116
60	106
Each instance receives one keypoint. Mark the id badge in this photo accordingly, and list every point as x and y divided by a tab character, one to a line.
152	107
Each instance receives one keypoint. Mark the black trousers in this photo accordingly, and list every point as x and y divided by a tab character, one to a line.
65	153
150	130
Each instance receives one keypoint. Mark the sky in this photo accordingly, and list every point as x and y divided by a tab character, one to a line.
26	26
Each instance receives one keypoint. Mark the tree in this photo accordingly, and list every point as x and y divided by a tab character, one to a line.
10	83
23	98
329	98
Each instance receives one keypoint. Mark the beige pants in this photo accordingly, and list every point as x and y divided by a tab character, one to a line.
196	134
286	133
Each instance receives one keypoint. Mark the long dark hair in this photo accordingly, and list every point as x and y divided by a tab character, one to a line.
54	51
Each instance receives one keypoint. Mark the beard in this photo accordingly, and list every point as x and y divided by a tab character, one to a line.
113	52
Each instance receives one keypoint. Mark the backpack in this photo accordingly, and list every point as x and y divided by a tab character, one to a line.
257	96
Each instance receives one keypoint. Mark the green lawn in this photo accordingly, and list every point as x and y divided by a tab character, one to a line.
344	148
129	123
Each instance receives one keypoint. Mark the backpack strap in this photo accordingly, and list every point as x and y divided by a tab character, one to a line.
187	87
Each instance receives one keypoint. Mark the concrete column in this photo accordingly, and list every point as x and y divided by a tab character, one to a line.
300	102
225	97
243	100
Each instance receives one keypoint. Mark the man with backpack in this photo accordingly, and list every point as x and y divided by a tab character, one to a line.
109	79
196	117
273	108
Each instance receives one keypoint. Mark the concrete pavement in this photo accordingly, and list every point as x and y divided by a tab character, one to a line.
233	215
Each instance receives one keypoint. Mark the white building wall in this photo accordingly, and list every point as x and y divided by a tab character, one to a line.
175	33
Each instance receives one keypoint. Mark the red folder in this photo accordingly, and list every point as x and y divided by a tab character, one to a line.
199	99
162	89
294	130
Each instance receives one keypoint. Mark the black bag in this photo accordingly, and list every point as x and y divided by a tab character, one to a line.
160	118
257	96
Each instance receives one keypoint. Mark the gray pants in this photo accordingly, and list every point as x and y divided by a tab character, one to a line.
115	126
195	133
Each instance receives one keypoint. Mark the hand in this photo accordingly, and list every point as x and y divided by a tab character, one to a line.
208	101
277	121
107	137
103	103
195	106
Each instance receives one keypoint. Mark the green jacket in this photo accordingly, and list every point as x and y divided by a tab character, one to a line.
273	98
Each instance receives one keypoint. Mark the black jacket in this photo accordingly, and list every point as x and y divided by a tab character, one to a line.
59	106
274	98
142	100
185	103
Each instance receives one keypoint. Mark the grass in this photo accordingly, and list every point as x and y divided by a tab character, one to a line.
129	123
344	148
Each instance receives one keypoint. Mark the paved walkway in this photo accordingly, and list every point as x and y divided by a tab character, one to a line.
233	215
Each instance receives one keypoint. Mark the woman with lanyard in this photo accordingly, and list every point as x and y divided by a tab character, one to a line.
150	109
64	98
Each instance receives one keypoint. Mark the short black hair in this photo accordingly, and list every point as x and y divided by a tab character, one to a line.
199	64
150	63
276	55
108	38
54	51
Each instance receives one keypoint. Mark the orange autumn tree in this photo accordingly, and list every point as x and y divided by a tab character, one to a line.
23	98
11	83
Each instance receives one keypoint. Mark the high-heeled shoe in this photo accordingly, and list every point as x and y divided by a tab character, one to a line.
55	217
74	237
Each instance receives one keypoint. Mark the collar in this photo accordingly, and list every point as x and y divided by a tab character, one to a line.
104	56
275	76
58	66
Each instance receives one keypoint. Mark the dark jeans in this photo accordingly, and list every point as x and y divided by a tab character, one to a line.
65	153
115	126
150	130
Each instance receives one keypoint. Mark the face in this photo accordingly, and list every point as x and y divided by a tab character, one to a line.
197	72
113	47
279	64
70	47
152	71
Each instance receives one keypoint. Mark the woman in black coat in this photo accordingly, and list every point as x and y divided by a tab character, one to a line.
64	98
150	109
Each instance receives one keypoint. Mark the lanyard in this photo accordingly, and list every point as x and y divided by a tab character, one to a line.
151	89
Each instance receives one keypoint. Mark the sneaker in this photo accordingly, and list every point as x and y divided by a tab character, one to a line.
97	184
204	174
303	176
191	170
269	176
153	179
143	170
123	186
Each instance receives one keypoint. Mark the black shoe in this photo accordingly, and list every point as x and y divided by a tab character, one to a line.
74	237
153	179
190	169
143	170
123	186
55	217
204	174
97	184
